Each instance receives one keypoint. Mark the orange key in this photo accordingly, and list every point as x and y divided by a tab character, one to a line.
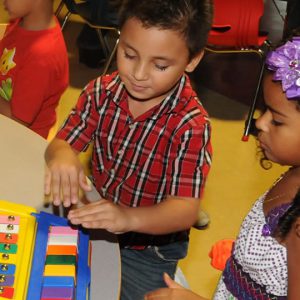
8	238
61	250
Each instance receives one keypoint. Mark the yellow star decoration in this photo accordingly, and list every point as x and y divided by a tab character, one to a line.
6	60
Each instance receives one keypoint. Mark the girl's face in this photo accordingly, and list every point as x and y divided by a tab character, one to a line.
279	126
18	8
151	60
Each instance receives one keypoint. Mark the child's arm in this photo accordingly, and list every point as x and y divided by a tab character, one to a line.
4	105
5	110
173	292
292	243
172	215
65	173
2	30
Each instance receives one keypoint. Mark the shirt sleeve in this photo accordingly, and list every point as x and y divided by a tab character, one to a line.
79	128
29	90
190	162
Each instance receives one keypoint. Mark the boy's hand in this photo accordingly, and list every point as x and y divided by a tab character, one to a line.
64	174
173	214
173	292
101	214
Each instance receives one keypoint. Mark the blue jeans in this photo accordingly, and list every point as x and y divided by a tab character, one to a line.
142	270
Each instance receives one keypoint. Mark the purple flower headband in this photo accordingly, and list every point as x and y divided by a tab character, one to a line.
285	62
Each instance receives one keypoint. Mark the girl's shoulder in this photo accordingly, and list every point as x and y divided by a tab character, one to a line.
279	201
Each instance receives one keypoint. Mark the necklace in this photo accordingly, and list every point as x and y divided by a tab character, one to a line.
289	195
274	184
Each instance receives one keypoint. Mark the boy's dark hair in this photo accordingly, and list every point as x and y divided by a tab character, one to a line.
288	219
192	18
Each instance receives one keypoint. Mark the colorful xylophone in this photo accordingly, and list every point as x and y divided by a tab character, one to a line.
41	256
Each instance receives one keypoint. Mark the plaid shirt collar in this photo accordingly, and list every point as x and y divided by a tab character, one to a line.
173	103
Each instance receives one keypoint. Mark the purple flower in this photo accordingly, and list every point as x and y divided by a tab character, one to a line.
285	62
266	230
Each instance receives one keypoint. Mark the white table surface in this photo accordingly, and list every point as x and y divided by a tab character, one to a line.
21	181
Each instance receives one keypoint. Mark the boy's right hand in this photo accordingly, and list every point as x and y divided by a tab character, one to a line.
64	175
174	291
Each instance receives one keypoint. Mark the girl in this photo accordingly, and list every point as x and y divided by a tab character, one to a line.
265	260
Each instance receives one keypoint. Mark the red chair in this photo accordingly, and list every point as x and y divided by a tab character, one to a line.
235	29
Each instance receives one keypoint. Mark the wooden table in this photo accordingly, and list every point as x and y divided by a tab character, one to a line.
21	181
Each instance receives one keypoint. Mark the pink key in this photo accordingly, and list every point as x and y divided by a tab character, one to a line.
63	230
4	219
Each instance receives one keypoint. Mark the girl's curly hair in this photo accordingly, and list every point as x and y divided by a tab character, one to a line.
288	219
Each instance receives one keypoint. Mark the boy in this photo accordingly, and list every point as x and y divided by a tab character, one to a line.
34	68
151	137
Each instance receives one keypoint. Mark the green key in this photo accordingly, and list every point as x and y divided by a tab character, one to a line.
61	260
8	248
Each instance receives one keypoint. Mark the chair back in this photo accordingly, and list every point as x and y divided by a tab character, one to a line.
104	13
71	6
236	23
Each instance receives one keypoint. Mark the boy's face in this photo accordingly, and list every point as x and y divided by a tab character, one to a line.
151	60
18	8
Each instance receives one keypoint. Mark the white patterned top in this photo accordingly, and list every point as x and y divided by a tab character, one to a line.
262	257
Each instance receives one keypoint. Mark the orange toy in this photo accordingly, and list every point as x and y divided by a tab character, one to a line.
220	252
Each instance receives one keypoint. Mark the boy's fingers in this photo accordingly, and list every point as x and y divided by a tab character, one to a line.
157	295
65	183
47	182
90	221
87	217
55	188
74	188
170	282
86	210
89	209
83	182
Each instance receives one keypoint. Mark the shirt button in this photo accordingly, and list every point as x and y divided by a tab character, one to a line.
131	126
112	172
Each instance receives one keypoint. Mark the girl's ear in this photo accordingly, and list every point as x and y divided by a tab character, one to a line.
194	62
297	228
293	237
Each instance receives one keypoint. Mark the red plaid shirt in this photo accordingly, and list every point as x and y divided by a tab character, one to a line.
139	162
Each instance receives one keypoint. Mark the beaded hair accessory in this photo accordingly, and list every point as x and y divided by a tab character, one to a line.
285	62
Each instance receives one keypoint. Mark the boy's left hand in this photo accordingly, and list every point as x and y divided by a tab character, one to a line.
101	214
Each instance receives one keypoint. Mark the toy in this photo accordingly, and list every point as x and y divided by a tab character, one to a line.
41	256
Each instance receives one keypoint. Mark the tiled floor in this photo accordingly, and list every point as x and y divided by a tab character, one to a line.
236	178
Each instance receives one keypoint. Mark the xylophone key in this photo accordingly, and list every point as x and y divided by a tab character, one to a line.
63	230
58	281
7	269
8	248
64	293
7	280
56	270
61	260
6	258
4	219
71	240
61	250
9	228
8	238
6	292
